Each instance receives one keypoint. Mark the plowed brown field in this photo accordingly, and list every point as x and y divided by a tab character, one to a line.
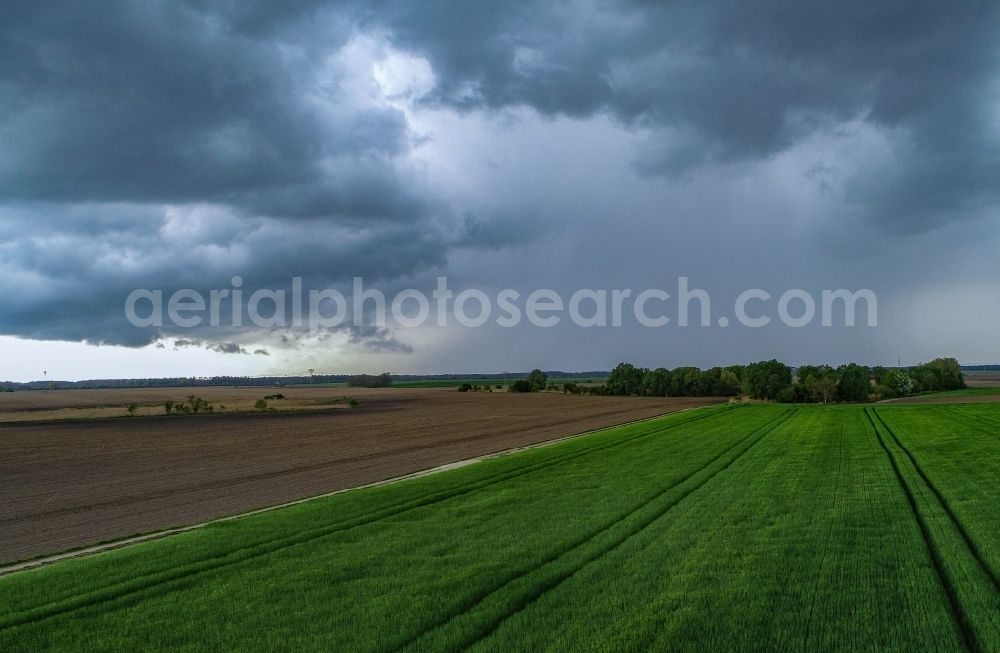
71	483
982	379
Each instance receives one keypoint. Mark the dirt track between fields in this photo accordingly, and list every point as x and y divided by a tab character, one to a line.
69	484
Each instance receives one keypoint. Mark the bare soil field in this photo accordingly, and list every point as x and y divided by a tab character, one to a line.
35	405
982	379
72	483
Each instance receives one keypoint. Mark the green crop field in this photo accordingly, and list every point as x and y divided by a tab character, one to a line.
763	528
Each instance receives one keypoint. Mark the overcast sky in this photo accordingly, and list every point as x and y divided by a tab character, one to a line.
562	145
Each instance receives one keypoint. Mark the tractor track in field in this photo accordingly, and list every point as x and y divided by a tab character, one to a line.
163	578
551	583
963	622
959	526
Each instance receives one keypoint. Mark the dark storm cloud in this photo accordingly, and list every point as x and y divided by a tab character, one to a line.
156	102
176	144
71	284
735	81
218	347
227	348
209	101
378	339
171	145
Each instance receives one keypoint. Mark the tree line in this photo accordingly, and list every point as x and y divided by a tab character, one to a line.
383	380
774	381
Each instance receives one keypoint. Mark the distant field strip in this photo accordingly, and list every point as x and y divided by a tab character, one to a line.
726	528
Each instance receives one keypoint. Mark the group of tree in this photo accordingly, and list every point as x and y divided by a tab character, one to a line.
825	384
938	375
475	387
536	381
857	383
192	405
772	380
383	380
629	380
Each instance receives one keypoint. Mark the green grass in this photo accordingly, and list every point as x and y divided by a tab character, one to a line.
727	528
